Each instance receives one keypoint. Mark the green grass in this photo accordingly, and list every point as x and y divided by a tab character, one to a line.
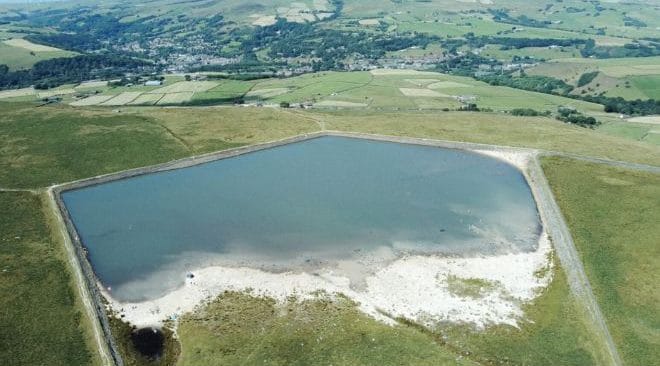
205	130
494	128
240	329
383	92
470	287
56	144
42	146
21	58
538	53
570	69
649	85
635	131
554	332
613	216
40	316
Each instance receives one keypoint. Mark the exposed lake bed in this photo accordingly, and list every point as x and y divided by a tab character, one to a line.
459	215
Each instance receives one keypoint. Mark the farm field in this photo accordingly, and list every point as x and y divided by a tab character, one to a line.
121	99
632	129
401	89
18	53
538	53
175	98
612	214
379	89
630	78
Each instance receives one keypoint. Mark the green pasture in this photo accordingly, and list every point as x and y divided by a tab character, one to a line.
612	214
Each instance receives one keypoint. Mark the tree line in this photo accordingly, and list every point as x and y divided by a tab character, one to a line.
54	72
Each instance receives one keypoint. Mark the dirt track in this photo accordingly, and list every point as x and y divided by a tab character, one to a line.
569	257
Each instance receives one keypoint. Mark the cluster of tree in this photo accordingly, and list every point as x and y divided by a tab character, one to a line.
649	49
474	42
629	107
469	107
586	78
549	85
518	43
465	65
330	47
633	22
541	84
91	32
54	72
502	16
528	112
248	69
570	115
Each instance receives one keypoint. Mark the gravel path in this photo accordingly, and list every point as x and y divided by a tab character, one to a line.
81	285
614	163
569	257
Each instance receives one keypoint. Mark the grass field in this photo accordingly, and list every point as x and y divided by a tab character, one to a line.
494	128
186	86
21	54
41	320
211	129
555	333
613	214
401	89
44	146
630	78
175	98
539	53
379	89
121	99
39	150
92	100
240	329
258	331
13	93
146	99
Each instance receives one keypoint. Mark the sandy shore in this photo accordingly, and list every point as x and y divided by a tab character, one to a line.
414	287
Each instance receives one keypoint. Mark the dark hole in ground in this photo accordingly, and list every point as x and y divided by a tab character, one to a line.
149	342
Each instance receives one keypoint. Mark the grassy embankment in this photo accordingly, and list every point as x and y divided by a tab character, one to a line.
613	215
47	145
494	128
258	331
41	319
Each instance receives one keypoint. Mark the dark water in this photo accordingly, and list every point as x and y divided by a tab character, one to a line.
303	205
148	342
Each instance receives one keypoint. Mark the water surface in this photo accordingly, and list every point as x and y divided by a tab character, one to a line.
305	205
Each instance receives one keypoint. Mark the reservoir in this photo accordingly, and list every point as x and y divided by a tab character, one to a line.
302	206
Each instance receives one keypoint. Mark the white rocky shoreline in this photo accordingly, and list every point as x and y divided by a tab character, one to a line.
413	287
